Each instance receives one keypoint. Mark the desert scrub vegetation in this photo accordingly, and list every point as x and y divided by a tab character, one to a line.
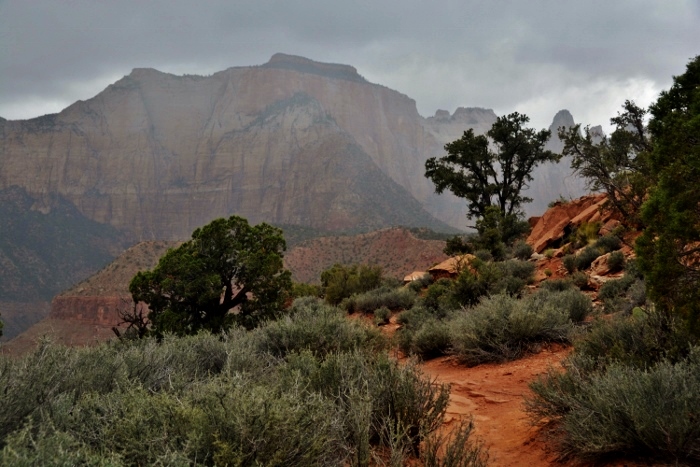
272	396
522	250
585	258
504	328
625	293
585	234
481	279
421	283
499	328
631	387
313	325
340	282
394	298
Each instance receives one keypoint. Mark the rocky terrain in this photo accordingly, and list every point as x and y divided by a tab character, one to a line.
292	141
94	304
44	252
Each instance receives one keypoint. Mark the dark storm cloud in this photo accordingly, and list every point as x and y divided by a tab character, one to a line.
533	56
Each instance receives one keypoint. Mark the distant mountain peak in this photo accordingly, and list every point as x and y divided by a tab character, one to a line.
138	73
469	115
305	65
563	118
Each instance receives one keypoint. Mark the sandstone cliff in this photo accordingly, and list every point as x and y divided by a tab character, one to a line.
292	141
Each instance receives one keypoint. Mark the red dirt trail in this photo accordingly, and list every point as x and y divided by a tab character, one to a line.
493	394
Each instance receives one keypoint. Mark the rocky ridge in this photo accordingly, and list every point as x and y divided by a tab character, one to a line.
293	141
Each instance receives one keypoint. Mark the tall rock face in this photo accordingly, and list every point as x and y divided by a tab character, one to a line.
554	180
292	141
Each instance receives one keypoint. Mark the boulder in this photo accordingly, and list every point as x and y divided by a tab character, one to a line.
600	266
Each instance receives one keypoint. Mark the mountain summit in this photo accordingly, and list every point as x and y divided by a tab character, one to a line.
292	141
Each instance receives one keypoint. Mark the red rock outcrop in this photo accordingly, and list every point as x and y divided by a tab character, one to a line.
562	218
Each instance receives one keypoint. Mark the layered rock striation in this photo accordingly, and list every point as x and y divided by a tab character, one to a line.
291	142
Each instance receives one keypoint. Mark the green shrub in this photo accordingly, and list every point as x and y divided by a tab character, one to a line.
524	270
398	395
637	412
484	255
219	400
341	282
615	287
381	316
549	253
585	234
430	340
608	243
640	341
315	326
521	250
29	447
438	296
556	285
575	304
637	294
510	285
486	278
457	245
469	287
423	332
579	279
455	448
394	299
504	328
300	289
622	295
416	316
616	261
586	257
421	283
569	262
261	424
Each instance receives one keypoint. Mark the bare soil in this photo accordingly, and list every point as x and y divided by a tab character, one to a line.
493	395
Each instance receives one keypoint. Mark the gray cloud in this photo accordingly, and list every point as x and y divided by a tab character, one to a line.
535	57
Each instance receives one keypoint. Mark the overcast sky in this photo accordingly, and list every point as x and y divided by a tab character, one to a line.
533	56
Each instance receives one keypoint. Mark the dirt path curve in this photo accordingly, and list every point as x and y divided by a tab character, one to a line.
493	394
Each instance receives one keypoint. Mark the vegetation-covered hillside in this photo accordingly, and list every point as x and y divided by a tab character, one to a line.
46	250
